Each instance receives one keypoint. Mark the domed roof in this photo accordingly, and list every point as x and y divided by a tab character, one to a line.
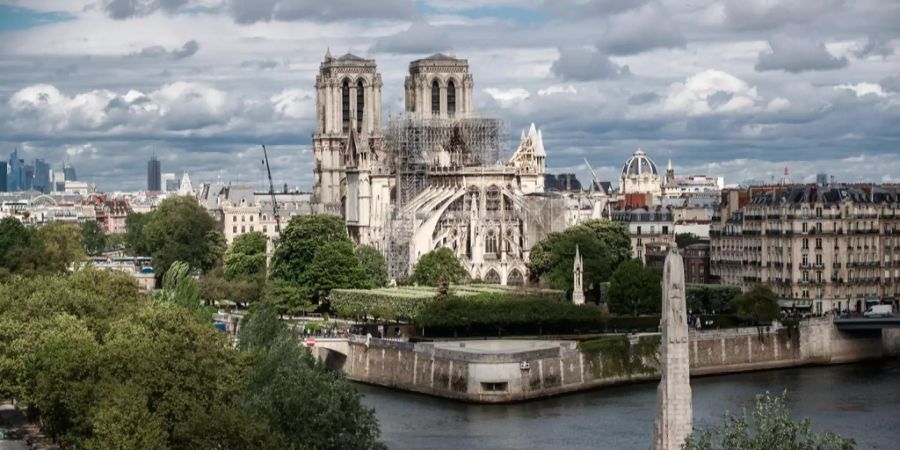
639	164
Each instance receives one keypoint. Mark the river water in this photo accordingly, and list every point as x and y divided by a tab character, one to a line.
861	401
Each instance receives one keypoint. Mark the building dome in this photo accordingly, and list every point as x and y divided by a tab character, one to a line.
639	164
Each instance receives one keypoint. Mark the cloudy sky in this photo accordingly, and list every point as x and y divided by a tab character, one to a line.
737	88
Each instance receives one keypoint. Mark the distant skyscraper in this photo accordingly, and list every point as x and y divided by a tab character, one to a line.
822	179
154	175
29	176
16	178
41	176
2	176
69	172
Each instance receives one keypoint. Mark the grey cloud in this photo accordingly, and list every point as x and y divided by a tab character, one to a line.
580	64
640	30
891	84
797	55
761	15
719	98
876	45
643	98
251	11
582	8
420	37
124	9
260	64
186	50
158	51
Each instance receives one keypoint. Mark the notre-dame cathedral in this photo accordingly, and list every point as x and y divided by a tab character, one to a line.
435	176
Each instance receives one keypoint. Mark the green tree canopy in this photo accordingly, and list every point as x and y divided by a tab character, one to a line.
92	237
299	242
252	243
759	304
634	289
60	245
306	406
135	242
334	266
769	427
287	297
373	264
181	230
603	246
437	265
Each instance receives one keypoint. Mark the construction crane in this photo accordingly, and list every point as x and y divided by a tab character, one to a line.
272	191
593	175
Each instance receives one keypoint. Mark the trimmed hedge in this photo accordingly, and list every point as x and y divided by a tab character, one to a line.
405	303
477	316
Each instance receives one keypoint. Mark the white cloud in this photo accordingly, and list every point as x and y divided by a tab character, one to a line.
711	91
507	97
558	89
862	89
294	104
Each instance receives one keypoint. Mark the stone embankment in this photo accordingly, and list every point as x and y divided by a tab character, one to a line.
497	371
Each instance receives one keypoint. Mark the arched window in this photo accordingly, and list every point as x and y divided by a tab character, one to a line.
451	98
360	104
492	277
435	98
491	242
345	105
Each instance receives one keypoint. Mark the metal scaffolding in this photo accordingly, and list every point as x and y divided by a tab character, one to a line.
413	144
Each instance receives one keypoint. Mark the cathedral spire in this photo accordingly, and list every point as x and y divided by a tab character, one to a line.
327	53
577	283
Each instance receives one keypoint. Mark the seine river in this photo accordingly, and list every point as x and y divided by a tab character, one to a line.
856	400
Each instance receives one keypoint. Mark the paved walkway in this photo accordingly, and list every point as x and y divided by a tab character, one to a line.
12	425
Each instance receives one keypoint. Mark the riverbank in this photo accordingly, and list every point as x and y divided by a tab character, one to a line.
500	371
858	400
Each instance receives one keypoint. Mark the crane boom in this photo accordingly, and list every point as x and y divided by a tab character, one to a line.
593	174
272	192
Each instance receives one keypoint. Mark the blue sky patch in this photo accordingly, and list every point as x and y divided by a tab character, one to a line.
521	16
18	18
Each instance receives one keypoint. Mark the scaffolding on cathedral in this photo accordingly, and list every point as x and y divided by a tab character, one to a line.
412	143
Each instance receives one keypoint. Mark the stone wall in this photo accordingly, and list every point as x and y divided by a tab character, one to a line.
504	377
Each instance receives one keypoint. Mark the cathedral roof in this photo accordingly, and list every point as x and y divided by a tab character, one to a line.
350	57
438	56
639	164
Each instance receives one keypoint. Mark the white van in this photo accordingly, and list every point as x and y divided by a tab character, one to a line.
879	311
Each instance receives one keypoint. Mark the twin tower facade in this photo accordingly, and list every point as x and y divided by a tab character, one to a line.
349	133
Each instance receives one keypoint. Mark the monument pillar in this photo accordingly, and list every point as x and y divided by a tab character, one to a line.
577	279
674	415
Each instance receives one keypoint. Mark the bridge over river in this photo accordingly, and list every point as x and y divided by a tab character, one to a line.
857	323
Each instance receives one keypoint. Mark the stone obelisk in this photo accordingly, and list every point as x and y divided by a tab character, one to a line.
673	409
577	273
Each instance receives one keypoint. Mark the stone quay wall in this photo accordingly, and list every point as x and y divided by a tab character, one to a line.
491	377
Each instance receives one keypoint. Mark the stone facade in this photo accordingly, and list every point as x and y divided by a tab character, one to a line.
819	247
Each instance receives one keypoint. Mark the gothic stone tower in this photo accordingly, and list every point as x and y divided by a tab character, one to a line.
439	86
348	97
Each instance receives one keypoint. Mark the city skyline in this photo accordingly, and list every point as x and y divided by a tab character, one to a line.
731	90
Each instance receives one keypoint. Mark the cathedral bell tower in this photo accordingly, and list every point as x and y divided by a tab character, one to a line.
439	86
348	107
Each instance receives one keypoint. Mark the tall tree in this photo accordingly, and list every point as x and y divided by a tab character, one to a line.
759	304
299	242
552	258
373	264
246	259
635	289
307	406
334	267
92	237
61	245
135	242
181	230
437	265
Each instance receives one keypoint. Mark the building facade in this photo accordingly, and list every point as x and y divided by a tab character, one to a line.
819	247
154	175
434	177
